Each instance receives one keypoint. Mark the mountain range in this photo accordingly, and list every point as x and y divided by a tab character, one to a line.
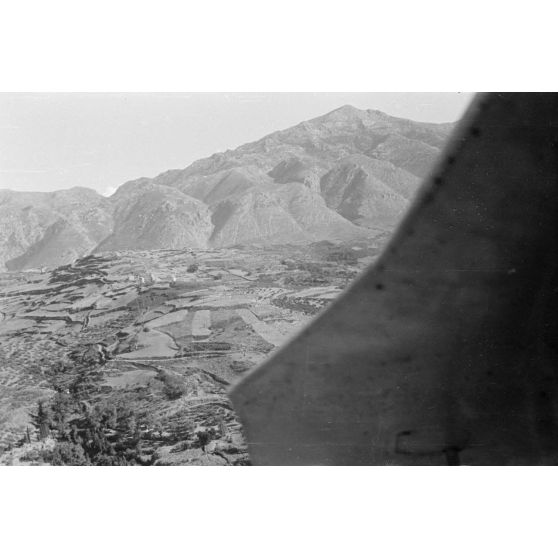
348	174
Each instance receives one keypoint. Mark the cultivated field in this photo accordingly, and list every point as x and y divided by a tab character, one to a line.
126	358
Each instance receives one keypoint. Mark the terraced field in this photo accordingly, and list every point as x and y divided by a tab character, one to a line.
139	328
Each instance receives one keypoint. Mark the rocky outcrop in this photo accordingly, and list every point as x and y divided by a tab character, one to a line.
148	216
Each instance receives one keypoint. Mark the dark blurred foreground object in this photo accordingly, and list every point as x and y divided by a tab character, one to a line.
446	350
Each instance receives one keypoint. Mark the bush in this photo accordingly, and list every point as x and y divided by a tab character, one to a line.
203	438
192	268
67	453
173	386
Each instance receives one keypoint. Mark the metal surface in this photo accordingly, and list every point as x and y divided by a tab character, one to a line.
445	350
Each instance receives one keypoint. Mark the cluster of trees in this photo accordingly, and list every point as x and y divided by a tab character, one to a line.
105	434
312	273
341	254
109	432
174	386
76	376
100	435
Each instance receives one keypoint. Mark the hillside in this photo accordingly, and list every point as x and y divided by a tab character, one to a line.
51	228
125	359
150	216
346	175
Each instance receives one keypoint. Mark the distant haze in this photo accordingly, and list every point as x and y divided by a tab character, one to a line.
54	141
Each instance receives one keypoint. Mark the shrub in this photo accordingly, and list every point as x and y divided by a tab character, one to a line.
174	386
67	453
42	420
203	438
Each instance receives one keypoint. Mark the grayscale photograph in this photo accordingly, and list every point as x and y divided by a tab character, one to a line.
278	279
213	279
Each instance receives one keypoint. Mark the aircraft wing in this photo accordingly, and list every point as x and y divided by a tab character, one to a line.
445	350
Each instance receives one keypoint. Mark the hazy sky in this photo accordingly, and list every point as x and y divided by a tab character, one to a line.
60	140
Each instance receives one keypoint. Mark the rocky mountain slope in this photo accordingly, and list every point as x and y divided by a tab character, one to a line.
51	228
345	175
150	216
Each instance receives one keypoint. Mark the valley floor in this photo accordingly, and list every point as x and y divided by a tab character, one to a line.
126	358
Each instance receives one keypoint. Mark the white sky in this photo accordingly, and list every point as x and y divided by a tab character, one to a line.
50	141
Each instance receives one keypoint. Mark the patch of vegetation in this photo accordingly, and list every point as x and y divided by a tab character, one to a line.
104	434
174	387
342	255
204	437
66	453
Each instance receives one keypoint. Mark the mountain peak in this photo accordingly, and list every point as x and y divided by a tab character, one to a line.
347	111
351	114
343	175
